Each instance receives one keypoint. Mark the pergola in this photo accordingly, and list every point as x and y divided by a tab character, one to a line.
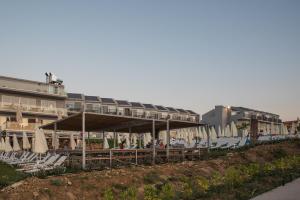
94	122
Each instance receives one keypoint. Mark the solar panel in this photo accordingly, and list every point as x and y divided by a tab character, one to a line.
149	106
107	100
91	98
181	110
123	103
74	96
191	112
136	105
161	108
171	109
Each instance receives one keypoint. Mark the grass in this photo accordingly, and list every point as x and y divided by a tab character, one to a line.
9	175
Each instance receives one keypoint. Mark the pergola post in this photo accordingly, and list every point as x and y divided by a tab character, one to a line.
55	136
199	142
130	137
153	142
115	139
208	138
83	140
168	139
140	140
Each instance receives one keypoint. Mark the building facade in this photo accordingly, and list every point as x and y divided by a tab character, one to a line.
224	115
293	126
26	104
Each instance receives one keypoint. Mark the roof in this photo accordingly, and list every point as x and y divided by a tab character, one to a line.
106	122
161	108
123	103
75	96
149	106
107	100
136	105
91	98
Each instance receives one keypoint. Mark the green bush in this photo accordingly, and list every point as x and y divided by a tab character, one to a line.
151	177
56	182
129	194
108	194
167	192
233	177
279	153
150	193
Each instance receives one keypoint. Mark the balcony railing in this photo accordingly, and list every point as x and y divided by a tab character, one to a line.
19	126
34	109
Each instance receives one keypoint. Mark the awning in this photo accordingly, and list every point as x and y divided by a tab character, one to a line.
105	122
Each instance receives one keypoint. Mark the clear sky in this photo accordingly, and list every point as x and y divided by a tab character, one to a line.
189	54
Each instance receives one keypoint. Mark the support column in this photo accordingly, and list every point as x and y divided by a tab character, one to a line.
115	139
130	137
153	142
208	137
83	140
140	140
168	139
198	139
55	136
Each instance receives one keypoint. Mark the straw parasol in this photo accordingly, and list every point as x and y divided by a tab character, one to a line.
72	142
8	147
2	145
219	131
234	130
16	146
40	144
105	145
204	133
227	131
19	116
213	134
26	144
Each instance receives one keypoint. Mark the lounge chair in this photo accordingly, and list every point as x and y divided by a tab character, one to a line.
44	167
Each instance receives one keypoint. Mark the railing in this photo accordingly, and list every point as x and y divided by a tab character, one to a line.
19	126
34	109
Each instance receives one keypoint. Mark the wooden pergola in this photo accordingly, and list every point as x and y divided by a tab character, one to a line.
95	122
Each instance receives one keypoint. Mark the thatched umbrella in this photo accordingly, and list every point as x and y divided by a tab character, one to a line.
234	131
16	146
26	144
19	116
72	142
105	145
8	147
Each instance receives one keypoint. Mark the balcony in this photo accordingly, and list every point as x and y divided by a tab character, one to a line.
34	109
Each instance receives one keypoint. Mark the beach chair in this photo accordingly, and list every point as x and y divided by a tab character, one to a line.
48	167
37	165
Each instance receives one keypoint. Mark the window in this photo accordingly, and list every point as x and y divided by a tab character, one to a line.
28	101
31	120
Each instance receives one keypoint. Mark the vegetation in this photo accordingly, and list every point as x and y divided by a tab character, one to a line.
8	175
56	182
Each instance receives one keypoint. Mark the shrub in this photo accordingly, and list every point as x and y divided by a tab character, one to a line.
202	183
108	194
233	177
279	153
167	192
216	179
150	193
151	177
129	194
56	182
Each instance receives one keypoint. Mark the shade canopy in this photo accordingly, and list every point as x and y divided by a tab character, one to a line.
106	122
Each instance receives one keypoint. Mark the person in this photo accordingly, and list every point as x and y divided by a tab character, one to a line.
161	145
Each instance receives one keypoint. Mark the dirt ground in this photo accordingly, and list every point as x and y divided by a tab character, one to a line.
91	185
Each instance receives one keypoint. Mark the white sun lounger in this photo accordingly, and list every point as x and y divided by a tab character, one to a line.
47	162
58	163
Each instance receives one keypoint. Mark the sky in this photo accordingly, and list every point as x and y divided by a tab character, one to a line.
185	54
